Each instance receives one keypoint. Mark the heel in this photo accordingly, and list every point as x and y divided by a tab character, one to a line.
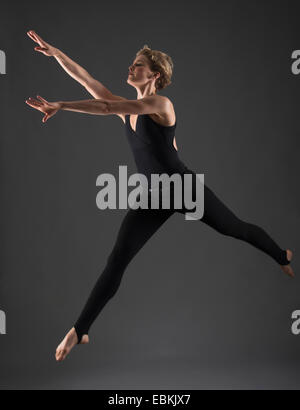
79	335
284	259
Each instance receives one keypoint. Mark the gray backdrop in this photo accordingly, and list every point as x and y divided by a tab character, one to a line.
195	309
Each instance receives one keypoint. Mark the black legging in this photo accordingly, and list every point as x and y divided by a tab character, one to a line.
137	228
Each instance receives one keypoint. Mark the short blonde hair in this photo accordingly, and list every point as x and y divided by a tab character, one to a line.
159	62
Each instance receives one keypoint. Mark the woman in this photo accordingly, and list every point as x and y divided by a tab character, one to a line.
150	123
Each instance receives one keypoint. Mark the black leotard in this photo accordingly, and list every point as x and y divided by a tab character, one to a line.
152	146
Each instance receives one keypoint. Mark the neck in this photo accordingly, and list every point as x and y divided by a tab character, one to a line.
145	91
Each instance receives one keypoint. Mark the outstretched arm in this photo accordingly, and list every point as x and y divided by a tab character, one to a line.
94	87
147	105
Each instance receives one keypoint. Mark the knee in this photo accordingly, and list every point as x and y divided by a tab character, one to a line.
243	230
119	257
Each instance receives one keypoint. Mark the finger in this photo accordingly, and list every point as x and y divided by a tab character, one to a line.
45	118
33	100
32	38
33	104
40	48
29	101
42	99
39	39
35	38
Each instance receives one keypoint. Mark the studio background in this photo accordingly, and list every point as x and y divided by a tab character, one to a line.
195	309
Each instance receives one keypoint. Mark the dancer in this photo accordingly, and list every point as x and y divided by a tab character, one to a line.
150	124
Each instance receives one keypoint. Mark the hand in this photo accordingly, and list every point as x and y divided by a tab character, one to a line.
43	47
49	109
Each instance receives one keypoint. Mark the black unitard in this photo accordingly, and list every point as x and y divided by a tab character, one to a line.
152	146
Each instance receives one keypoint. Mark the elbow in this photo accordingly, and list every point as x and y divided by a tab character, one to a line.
109	107
106	107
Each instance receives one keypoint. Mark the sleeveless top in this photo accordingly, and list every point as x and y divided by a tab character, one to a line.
152	147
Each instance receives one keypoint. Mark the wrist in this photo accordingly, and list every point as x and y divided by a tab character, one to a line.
56	52
59	105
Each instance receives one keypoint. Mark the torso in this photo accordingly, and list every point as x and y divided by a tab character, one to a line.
155	117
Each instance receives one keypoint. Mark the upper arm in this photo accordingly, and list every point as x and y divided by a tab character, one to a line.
147	105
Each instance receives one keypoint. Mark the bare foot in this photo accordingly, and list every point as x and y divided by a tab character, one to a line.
287	268
70	340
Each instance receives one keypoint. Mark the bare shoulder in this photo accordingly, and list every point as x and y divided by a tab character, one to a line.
163	101
166	115
167	107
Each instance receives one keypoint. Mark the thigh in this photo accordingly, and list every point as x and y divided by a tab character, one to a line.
216	213
137	227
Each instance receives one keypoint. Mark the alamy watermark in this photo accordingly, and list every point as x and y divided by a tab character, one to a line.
2	314
2	323
296	64
162	186
296	324
2	62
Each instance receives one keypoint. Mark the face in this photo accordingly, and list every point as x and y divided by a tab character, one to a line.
139	72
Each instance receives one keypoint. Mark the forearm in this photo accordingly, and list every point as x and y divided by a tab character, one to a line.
96	106
73	69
